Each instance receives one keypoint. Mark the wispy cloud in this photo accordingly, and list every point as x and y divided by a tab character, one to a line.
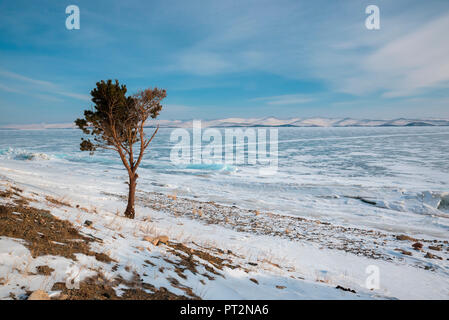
13	75
203	63
78	96
40	88
402	59
9	89
285	99
40	96
405	66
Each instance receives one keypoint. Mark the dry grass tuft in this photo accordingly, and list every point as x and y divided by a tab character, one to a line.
59	202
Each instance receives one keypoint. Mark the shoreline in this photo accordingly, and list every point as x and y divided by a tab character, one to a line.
353	240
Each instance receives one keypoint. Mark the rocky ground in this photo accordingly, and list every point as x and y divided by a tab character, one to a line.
370	243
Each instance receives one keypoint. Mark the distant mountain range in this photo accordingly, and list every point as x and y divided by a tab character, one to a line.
305	122
268	122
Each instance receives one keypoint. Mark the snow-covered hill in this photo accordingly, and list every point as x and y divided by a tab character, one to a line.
266	122
306	122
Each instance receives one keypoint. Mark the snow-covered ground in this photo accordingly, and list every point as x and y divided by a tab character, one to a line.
330	217
255	271
283	268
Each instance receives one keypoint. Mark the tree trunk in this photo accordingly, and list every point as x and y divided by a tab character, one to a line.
129	212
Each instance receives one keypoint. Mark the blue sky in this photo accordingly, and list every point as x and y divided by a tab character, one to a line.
228	58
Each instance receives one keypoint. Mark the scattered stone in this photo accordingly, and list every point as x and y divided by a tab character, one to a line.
351	240
405	252
39	295
45	270
403	237
417	246
435	248
88	223
432	256
280	287
345	289
254	280
172	196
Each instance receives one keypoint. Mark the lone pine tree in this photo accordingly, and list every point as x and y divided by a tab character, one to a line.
117	122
